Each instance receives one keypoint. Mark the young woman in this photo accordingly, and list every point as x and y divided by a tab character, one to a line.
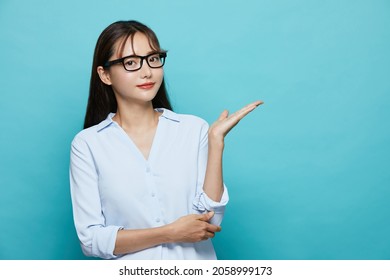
146	183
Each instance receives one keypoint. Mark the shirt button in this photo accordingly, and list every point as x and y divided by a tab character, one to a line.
157	220
147	169
153	194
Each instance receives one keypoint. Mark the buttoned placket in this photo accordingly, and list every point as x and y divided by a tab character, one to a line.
151	186
156	206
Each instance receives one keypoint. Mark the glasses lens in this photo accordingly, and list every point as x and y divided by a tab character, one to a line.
132	63
156	60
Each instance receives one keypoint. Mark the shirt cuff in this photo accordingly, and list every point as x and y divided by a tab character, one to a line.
204	203
103	242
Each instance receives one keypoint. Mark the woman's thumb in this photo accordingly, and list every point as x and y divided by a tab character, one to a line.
207	216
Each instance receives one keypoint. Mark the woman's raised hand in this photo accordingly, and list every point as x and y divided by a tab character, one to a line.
221	127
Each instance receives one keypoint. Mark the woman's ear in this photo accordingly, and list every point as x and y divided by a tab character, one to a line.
104	75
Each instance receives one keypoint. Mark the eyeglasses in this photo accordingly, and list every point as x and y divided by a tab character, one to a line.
134	62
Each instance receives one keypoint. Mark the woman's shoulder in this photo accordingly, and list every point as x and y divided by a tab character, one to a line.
86	132
84	136
92	132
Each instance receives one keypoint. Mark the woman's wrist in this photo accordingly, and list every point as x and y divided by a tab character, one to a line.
168	233
215	141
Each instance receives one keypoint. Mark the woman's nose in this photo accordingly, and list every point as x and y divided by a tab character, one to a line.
145	70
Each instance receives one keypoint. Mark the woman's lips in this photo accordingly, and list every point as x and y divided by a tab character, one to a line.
146	85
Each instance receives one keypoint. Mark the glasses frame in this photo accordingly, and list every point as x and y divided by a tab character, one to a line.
162	55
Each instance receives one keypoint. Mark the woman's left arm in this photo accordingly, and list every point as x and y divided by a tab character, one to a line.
213	183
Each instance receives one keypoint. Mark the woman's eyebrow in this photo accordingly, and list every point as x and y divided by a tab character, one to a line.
148	53
151	52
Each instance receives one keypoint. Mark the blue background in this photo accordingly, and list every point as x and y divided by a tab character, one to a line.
308	172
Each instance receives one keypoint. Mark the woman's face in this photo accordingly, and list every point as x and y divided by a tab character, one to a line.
139	86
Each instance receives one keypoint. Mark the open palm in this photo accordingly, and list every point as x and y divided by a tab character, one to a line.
221	127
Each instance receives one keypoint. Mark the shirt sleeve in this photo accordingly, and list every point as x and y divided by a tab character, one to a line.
202	202
96	239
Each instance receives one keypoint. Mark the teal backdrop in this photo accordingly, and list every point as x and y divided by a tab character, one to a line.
308	172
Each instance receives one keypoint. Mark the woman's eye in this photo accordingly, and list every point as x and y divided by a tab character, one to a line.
154	58
130	62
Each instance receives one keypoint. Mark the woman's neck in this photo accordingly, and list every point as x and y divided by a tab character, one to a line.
136	118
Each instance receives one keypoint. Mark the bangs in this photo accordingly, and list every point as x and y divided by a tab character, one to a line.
152	39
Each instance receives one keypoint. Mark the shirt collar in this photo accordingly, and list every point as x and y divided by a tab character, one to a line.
167	114
107	122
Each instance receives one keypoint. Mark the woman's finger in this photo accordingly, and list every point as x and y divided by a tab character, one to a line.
225	122
247	109
223	115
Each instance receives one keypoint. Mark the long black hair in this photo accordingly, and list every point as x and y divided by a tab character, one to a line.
101	99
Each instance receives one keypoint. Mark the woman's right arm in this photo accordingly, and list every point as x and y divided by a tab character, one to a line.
96	239
190	228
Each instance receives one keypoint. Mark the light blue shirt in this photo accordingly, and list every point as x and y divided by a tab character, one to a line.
114	187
